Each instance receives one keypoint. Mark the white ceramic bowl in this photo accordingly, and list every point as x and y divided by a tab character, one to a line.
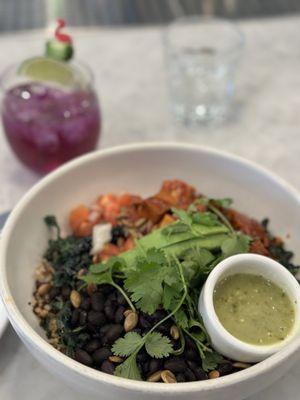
248	263
141	169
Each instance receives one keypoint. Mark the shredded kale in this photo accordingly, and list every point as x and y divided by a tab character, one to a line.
67	256
279	253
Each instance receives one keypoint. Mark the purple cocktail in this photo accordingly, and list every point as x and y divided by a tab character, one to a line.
50	111
48	125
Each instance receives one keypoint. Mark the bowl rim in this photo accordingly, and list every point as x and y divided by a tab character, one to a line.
25	330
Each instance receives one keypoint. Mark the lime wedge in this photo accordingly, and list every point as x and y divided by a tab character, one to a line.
49	70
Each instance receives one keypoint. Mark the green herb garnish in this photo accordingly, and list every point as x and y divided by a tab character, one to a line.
167	267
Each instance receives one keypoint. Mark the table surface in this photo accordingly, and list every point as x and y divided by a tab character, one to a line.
131	82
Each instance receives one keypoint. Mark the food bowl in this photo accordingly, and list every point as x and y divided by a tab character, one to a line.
140	168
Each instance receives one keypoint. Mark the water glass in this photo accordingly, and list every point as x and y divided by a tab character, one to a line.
202	55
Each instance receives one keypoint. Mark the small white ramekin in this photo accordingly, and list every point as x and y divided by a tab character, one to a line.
222	340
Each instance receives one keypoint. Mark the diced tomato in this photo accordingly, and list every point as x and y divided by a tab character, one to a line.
78	215
110	207
177	193
108	251
153	209
84	229
128	245
258	247
247	225
126	200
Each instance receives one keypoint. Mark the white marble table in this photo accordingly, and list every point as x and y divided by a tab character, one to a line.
128	65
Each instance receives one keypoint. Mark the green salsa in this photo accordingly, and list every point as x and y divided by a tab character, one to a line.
253	309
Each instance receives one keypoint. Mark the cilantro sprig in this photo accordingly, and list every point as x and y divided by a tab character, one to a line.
168	267
156	345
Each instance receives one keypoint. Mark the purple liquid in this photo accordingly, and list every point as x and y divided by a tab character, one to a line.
47	126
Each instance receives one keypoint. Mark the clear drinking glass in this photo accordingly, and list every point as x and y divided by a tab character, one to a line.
202	55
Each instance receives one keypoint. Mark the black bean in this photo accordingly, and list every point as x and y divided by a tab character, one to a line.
83	357
142	357
175	365
158	315
108	367
164	330
180	377
110	310
144	322
85	303
174	343
112	296
101	355
192	364
65	292
191	354
145	367
104	329
119	316
113	333
190	344
121	299
137	330
200	374
197	370
106	289
96	318
189	374
75	317
93	329
82	318
92	345
154	365
225	368
97	301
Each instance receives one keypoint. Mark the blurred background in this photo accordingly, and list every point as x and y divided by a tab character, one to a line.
127	98
31	14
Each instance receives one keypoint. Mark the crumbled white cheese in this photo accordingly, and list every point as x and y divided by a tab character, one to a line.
101	236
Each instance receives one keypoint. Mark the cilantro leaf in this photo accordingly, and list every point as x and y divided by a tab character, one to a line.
145	286
98	268
225	202
98	279
198	255
175	228
236	244
206	218
114	263
181	319
158	346
211	360
183	216
170	298
129	369
128	344
145	282
197	263
156	256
